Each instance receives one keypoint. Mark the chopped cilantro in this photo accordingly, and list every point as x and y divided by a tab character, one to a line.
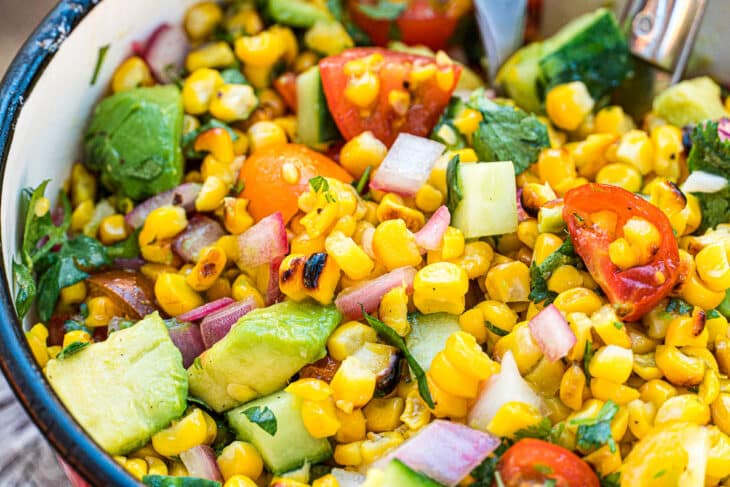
363	181
99	62
543	469
660	473
540	274
71	349
710	153
712	314
611	480
595	432
496	330
485	474
319	184
543	430
679	306
618	325
263	417
587	356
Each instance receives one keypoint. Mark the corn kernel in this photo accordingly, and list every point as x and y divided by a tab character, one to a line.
348	454
240	481
394	245
352	426
578	300
440	287
73	294
513	416
383	414
163	223
131	74
184	434
568	104
353	260
363	90
668	148
174	295
678	367
101	310
509	282
320	418
353	385
572	385
199	89
683	408
233	102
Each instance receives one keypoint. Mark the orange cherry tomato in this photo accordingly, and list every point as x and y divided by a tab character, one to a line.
533	462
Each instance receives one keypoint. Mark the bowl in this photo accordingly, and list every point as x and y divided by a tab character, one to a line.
46	98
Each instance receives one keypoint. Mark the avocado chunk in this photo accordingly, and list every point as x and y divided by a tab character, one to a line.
519	76
291	445
398	474
261	352
690	102
429	334
133	141
297	13
136	373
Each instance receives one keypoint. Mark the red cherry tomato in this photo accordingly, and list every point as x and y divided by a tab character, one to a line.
286	86
532	462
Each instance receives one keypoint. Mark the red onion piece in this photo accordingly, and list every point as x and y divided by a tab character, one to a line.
430	236
367	241
217	325
552	333
134	263
370	293
522	215
444	451
200	462
165	52
264	242
187	338
201	232
273	292
183	195
407	165
723	129
202	311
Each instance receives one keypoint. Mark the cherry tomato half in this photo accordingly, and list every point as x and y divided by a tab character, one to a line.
286	86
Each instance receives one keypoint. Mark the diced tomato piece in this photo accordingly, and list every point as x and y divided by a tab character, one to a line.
286	86
534	462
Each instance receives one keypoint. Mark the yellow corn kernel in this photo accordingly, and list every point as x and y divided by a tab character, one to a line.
555	166
73	294
201	19
637	246
265	134
468	121
657	391
209	267
428	198
440	287
509	282
613	120
527	232
261	50
83	186
713	266
578	300
646	368
668	147
709	388
445	404
519	341
622	175
131	74
363	90
688	331
352	426
604	460
703	354
641	417
696	293
545	244
74	336
400	101
235	215
678	367
453	244
212	194
610	328
415	413
383	414
348	454
394	245
391	207
613	363
572	385
393	310
163	223
353	385
213	55
498	314
472	322
101	310
475	260
377	445
184	434
240	481
513	416
310	389
348	338
136	467
352	259
174	295
291	276
155	466
37	343
82	215
305	245
684	408
606	389
720	409
635	148
568	104
564	278
113	229
158	253
199	89
243	288
320	418
233	102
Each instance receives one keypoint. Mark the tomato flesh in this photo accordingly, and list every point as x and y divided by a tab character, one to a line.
532	462
427	98
286	86
636	290
265	187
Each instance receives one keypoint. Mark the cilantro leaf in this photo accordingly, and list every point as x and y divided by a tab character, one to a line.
495	329
188	139
383	10
595	432
25	289
507	133
540	274
362	183
544	430
263	417
391	337
127	248
71	349
485	474
454	191
679	306
587	356
715	208
709	151
101	55
611	480
712	314
170	481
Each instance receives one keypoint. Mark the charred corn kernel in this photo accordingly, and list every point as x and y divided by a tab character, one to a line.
684	408
353	385
392	207
131	74
82	215
564	278
244	481
613	363
136	467
394	245
696	293
646	368
73	294
74	336
101	310
519	341
163	223
556	166
199	89
361	152
635	148
377	445
688	331
233	102
243	288
393	310
363	90
235	215
509	282
445	404
184	434
348	454
320	276
349	337
177	469
568	104
606	389
622	175
612	120
709	388
261	50
638	245
113	229
440	287
352	426
578	300
291	276
201	19
174	295
310	389
265	134
713	266
319	418
383	414
513	416
467	121
472	322
211	195
678	367
545	244
353	260
572	385
209	267
415	412
213	55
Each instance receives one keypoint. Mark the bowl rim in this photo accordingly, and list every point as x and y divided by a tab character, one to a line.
24	376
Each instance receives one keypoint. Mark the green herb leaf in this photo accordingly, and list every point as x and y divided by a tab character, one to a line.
320	185
709	152
233	76
484	474
170	481
549	483
498	479
263	417
188	139
391	337
71	349
25	289
73	325
99	62
715	208
587	356
199	402
540	274
454	190
543	430
496	330
595	432
507	133
660	473
679	306
383	10
127	248
362	183
618	325
611	480
712	314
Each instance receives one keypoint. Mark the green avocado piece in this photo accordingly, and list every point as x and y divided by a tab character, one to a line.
261	352
690	102
298	13
518	76
169	481
291	446
133	141
125	389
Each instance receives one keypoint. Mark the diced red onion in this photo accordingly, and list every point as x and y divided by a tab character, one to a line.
370	293
723	129
200	462
445	451
183	195
501	388
367	241
552	333
134	263
187	338
430	236
201	232
704	182
407	165
522	215
165	51
273	292
264	242
217	325
202	311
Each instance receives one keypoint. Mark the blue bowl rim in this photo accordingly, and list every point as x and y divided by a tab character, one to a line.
16	360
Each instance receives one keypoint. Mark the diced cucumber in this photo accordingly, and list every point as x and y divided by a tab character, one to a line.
297	13
314	122
398	474
489	205
291	446
428	335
